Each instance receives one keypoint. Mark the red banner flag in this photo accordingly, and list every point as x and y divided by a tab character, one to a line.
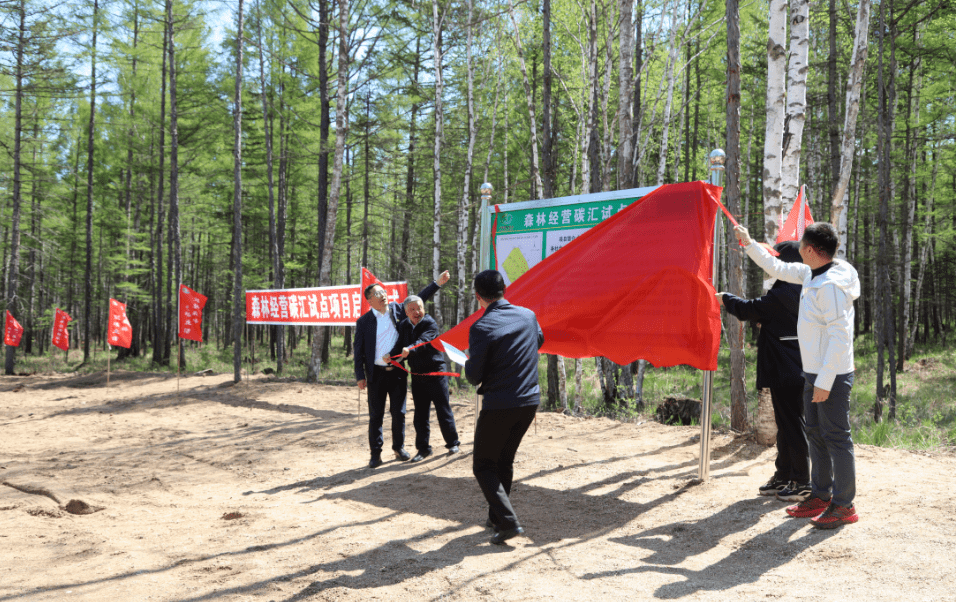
368	279
636	286
119	333
12	331
797	220
61	333
190	313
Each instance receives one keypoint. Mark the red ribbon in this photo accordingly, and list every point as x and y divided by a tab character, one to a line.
397	365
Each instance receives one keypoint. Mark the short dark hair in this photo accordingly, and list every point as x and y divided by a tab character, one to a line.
490	285
368	289
823	237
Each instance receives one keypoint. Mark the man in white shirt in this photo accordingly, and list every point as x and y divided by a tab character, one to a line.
825	334
376	338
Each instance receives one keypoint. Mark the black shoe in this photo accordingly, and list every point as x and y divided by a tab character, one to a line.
402	455
375	462
500	537
794	492
422	455
773	486
454	449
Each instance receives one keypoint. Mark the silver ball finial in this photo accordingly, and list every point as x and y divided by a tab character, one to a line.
486	189
717	157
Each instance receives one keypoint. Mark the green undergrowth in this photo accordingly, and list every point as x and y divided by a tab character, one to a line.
925	412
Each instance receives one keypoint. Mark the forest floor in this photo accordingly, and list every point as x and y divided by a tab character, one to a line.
259	491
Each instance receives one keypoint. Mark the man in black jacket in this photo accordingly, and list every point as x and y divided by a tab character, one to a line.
427	388
376	339
779	368
504	345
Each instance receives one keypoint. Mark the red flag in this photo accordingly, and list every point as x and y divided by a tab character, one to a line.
119	333
368	279
190	313
797	220
61	333
12	331
636	286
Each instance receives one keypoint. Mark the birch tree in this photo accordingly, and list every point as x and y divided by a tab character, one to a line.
438	18
535	165
462	243
796	102
854	84
776	100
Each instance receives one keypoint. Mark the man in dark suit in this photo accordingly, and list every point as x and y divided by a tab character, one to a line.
504	345
427	388
779	369
376	339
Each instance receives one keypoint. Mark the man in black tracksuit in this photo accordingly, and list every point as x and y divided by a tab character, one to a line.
427	388
779	368
504	345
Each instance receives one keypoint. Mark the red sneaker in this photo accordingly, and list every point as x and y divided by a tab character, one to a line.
808	508
834	516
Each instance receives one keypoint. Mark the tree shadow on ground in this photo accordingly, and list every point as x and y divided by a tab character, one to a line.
675	543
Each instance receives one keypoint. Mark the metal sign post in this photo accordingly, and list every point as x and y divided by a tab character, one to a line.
717	159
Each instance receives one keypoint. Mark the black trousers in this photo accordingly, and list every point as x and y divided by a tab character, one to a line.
793	455
394	385
428	390
497	437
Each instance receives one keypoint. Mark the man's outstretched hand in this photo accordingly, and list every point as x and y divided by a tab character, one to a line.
742	235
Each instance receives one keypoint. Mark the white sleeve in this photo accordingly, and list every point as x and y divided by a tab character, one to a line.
796	273
837	342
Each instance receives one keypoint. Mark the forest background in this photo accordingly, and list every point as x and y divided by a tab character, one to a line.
144	147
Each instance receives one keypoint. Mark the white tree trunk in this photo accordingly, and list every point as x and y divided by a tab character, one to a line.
854	85
535	169
465	195
436	164
776	99
796	102
625	82
669	100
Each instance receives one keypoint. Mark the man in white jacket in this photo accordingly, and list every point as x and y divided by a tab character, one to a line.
825	334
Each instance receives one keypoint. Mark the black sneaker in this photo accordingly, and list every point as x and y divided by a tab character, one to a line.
794	492
773	486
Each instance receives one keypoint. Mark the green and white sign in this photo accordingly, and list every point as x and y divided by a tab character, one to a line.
525	233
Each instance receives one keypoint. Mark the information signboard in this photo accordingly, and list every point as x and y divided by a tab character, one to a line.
523	234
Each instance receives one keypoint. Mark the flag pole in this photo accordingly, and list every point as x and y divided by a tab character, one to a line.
108	354
717	158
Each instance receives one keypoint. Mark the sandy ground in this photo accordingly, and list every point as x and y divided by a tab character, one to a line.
259	491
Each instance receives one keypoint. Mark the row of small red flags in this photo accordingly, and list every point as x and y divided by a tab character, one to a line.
119	332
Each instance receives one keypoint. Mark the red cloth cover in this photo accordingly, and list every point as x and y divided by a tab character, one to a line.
120	333
12	331
61	333
190	313
797	220
636	286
